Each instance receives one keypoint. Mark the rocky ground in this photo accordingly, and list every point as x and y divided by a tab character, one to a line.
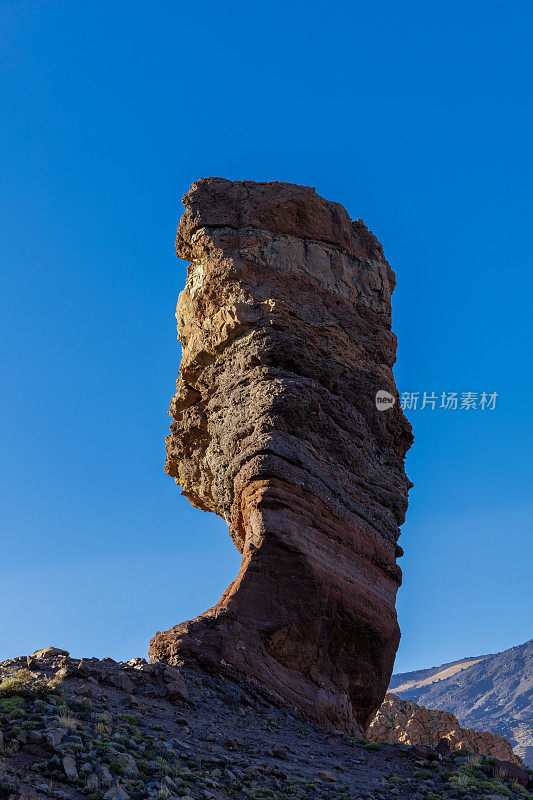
95	729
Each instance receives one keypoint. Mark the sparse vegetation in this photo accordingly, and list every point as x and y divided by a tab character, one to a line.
373	746
102	729
129	718
114	737
117	767
25	684
6	787
13	704
68	722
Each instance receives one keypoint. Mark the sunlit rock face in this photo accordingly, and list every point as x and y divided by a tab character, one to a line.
406	722
285	325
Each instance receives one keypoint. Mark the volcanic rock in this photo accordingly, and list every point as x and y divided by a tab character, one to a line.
285	326
49	652
487	692
406	722
209	750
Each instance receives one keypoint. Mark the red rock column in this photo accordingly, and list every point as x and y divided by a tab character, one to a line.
285	327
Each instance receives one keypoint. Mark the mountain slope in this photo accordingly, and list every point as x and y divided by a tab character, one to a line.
85	729
489	692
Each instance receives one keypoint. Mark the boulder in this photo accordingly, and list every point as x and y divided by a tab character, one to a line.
177	690
511	772
69	766
104	775
116	792
54	736
443	747
129	764
49	652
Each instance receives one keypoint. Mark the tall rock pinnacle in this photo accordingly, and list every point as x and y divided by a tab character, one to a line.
285	324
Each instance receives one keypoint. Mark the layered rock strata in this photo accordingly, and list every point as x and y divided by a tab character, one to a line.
405	722
285	325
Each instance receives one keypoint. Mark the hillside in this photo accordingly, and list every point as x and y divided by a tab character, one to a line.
84	729
488	692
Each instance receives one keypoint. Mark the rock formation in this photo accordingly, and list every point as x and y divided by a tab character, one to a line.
486	692
285	324
406	722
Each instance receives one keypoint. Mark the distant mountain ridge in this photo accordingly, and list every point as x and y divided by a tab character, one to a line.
488	692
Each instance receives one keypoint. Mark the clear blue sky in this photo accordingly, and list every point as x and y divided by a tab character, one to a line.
417	117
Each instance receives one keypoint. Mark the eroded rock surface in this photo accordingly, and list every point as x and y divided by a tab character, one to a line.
406	722
285	324
505	708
